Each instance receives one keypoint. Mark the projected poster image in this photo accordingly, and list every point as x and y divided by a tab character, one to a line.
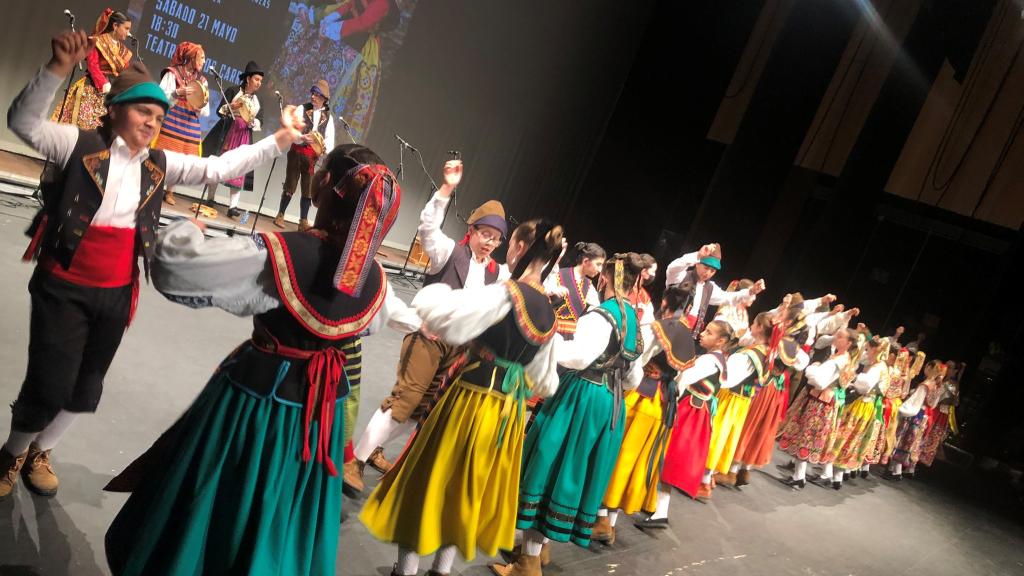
351	44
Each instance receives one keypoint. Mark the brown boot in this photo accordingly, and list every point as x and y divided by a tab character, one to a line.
10	465
742	478
352	475
38	472
304	225
704	492
511	556
169	197
727	479
603	531
378	462
545	554
279	220
524	566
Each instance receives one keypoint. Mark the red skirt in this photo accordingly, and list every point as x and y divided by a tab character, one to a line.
688	447
757	442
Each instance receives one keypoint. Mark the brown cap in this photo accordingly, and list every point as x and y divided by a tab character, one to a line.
321	87
490	213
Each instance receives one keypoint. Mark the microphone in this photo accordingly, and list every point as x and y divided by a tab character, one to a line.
278	94
215	73
404	143
346	125
133	38
69	14
456	154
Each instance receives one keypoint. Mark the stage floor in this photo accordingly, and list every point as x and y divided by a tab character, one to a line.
947	522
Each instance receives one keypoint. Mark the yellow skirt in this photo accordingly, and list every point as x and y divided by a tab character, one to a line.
628	489
455	485
726	429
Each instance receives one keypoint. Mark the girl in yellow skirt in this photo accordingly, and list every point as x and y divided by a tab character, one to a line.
747	368
857	430
650	414
457	484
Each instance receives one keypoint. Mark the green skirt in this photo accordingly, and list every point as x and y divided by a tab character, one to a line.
568	459
236	497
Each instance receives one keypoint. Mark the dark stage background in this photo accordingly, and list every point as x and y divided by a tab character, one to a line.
866	148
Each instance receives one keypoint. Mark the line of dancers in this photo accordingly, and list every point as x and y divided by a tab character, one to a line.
631	401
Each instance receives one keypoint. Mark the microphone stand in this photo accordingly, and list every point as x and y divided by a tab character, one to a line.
231	112
266	186
348	130
138	53
36	194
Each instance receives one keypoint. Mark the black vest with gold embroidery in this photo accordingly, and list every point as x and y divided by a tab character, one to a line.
313	316
677	353
517	337
70	200
307	116
454	271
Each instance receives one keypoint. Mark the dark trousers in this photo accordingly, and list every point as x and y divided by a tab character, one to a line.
297	172
74	333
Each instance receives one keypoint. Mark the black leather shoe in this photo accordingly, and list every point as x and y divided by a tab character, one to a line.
864	474
890	476
795	484
908	475
651	523
837	485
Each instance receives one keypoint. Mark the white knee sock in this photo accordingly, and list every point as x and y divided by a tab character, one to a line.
602	512
235	196
533	542
51	435
661	511
210	192
897	468
800	470
838	476
734	468
827	471
443	559
707	477
865	468
18	442
380	429
910	469
613	515
408	562
747	466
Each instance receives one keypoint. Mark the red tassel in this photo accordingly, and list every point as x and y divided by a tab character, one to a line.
135	294
33	245
323	372
350	453
465	239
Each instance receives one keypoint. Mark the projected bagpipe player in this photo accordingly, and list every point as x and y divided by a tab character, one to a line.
100	215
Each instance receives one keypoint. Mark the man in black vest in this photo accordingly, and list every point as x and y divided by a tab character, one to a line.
424	361
100	214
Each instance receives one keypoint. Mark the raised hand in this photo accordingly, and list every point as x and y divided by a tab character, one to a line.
69	48
452	177
758	287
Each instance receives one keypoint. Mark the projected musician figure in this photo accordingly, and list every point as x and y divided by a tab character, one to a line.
185	86
339	41
317	136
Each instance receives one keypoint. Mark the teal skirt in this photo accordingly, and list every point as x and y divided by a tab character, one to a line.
568	459
235	496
